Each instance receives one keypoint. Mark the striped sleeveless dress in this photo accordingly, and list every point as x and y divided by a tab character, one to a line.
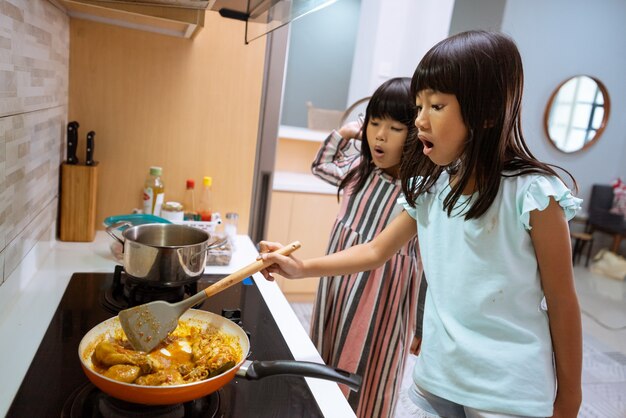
364	322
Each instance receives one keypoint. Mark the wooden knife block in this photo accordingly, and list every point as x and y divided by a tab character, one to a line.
77	220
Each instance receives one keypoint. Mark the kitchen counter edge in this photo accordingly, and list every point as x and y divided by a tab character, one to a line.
28	306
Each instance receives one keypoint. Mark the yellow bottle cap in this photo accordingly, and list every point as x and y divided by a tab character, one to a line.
207	181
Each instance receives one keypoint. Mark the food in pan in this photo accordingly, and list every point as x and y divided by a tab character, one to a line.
191	353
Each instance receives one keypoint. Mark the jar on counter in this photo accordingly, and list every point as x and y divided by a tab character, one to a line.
172	211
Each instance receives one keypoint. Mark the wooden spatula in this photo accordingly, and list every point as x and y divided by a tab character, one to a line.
148	324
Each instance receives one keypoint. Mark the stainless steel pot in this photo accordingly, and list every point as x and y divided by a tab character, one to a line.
163	254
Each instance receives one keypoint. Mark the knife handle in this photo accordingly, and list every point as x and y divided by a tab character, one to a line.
90	147
72	142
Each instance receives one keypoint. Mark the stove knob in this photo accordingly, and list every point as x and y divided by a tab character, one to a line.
232	314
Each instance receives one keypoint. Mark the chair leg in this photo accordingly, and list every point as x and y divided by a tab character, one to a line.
589	252
581	248
617	240
575	251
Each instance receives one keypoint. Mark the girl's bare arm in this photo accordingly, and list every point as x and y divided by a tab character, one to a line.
355	259
550	236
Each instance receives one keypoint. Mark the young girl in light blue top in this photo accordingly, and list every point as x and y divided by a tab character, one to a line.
502	331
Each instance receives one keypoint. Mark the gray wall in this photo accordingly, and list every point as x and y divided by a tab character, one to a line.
319	61
559	39
562	38
474	14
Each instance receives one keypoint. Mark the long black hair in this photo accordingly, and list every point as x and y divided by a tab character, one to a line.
484	71
392	100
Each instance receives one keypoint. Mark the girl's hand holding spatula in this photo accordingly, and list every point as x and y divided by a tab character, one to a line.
284	265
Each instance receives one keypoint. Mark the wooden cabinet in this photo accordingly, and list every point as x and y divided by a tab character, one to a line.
308	218
190	107
303	207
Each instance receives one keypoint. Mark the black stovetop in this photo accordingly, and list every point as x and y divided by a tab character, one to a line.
55	385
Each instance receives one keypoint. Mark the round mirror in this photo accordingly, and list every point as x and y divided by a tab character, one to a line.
577	113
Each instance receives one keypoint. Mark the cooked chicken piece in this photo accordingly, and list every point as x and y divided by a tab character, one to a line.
218	361
191	355
110	354
210	346
161	378
123	373
185	368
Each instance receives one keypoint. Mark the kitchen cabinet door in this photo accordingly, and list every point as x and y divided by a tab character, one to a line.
308	218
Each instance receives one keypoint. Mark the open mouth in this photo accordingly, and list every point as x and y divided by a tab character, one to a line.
378	152
428	146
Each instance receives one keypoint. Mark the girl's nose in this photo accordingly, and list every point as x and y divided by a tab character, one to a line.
420	121
381	135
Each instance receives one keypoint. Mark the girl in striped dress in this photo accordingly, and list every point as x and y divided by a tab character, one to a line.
364	322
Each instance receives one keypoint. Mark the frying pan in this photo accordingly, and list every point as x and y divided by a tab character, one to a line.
165	395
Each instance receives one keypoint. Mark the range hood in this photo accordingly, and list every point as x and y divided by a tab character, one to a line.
185	4
185	17
261	16
264	16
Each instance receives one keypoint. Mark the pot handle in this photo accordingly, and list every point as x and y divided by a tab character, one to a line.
254	370
216	244
117	225
183	262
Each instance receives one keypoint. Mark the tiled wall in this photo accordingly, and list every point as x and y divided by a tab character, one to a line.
34	59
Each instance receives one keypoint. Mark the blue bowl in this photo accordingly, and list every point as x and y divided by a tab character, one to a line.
136	219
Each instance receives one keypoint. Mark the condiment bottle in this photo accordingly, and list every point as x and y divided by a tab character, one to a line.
189	202
205	199
153	192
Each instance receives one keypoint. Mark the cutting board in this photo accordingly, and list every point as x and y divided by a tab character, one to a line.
77	219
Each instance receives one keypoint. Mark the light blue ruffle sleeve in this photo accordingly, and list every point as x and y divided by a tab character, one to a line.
412	211
409	209
537	196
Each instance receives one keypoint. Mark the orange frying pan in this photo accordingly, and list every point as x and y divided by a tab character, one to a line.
165	395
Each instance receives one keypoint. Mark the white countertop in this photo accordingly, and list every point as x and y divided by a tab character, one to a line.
27	305
301	134
286	181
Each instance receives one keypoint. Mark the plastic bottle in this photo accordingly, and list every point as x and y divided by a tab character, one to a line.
230	227
153	192
189	202
204	207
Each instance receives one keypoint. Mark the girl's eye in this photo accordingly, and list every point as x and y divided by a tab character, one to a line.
398	128
373	122
437	107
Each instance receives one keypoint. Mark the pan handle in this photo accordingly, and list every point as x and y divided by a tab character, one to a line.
254	370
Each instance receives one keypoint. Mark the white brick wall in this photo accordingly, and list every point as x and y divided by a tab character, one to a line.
34	63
